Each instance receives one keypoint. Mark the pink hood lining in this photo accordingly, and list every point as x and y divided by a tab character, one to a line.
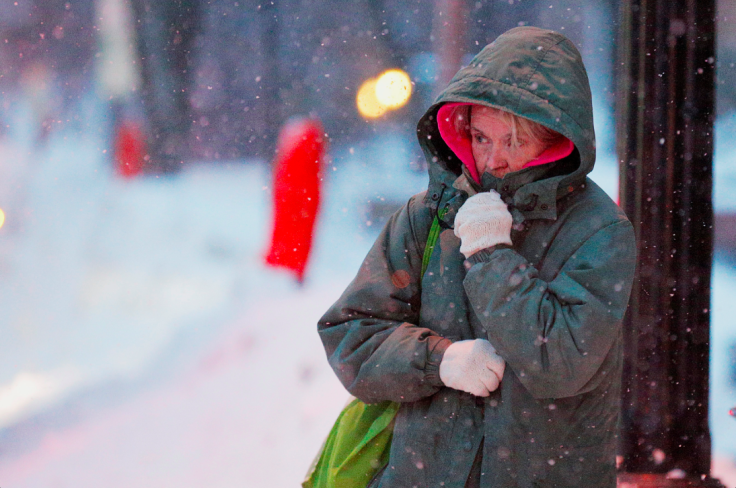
461	145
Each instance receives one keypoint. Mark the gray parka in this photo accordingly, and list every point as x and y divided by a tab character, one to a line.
551	304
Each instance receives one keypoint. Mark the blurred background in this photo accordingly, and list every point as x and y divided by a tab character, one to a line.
145	340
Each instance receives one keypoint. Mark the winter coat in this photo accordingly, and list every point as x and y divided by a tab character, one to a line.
551	304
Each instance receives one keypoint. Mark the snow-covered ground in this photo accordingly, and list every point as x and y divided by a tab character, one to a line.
145	344
724	169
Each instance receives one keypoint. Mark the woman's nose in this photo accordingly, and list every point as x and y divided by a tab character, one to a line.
496	159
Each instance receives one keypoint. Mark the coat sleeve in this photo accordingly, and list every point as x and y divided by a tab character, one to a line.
370	334
555	335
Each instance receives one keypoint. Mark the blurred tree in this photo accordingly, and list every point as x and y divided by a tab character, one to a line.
448	39
166	31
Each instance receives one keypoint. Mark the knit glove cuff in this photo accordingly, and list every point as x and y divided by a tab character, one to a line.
483	221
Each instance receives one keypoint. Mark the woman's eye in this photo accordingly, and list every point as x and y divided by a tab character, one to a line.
480	139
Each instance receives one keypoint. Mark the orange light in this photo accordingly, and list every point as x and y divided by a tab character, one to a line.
368	105
393	88
2	217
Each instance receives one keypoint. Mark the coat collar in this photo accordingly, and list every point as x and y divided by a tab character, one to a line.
531	193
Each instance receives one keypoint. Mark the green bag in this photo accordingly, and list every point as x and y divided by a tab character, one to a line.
357	447
359	444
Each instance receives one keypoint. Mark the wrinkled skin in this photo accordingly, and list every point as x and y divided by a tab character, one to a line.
493	146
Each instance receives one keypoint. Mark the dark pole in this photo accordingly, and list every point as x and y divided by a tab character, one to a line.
665	147
271	80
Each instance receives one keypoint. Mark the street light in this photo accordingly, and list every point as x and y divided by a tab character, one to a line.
393	88
389	91
367	101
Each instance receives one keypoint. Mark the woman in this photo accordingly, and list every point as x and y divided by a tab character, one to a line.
506	353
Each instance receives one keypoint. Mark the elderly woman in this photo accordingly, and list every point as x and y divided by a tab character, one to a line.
505	353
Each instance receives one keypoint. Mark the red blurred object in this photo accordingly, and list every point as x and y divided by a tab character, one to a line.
297	179
129	150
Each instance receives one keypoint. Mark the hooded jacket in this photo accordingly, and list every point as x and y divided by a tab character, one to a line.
551	304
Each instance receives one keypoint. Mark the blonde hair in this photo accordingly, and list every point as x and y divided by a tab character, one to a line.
460	117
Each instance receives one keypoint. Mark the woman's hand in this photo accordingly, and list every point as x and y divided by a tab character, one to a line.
472	366
482	222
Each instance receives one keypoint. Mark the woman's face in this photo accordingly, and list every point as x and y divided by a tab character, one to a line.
493	149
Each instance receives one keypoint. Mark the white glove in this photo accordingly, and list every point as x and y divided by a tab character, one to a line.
472	366
483	221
